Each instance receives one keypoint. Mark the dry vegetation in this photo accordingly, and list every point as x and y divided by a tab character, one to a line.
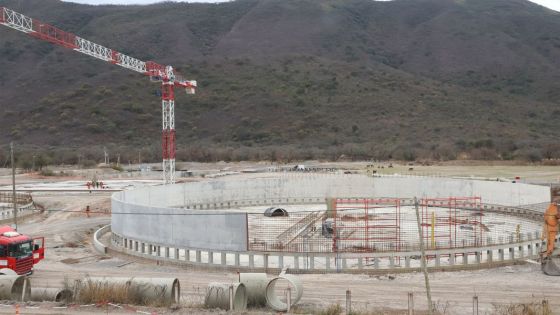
89	291
534	308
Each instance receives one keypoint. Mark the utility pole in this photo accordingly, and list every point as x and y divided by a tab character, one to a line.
423	259
13	182
106	156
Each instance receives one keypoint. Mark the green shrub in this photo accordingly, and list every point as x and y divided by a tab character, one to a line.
117	167
46	172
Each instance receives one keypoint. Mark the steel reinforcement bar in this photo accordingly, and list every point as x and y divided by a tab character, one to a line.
527	247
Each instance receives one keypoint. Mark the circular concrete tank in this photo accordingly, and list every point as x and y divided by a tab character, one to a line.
220	222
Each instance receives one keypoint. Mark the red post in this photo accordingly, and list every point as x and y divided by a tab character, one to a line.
165	144
114	57
171	144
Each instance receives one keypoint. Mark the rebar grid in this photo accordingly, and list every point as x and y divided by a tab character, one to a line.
367	225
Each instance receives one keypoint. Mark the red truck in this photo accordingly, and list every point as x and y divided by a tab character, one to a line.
20	252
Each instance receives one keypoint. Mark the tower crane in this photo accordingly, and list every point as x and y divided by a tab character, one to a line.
168	77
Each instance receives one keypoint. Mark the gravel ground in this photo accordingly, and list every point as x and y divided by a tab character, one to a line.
70	256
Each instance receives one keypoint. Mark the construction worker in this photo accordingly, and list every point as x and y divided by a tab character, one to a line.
551	218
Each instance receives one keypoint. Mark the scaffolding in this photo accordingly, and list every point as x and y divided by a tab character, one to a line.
373	225
444	225
366	225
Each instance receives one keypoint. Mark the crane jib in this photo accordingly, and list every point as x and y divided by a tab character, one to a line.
57	36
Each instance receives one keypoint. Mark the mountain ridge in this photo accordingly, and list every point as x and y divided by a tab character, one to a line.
405	79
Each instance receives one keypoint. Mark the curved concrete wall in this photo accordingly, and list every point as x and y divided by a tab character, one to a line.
197	229
154	214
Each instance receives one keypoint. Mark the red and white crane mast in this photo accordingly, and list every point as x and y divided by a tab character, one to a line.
165	74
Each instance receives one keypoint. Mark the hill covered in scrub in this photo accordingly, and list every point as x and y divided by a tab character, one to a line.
292	79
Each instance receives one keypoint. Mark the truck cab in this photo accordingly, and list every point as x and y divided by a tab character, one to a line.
20	252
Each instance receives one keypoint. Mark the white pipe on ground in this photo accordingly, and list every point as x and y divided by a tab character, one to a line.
50	294
217	296
149	290
255	284
14	287
7	272
272	299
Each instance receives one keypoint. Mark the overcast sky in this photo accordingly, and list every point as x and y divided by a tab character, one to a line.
553	4
135	1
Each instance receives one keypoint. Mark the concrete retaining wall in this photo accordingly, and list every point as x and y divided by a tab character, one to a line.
97	244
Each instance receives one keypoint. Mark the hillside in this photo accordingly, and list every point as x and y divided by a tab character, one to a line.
287	79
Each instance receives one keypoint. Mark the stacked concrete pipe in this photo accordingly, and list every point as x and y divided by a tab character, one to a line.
218	296
262	291
147	290
50	294
255	283
7	272
272	299
14	287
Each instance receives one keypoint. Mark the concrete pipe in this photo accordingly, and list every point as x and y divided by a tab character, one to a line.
255	285
7	272
217	296
142	290
16	288
272	299
50	294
